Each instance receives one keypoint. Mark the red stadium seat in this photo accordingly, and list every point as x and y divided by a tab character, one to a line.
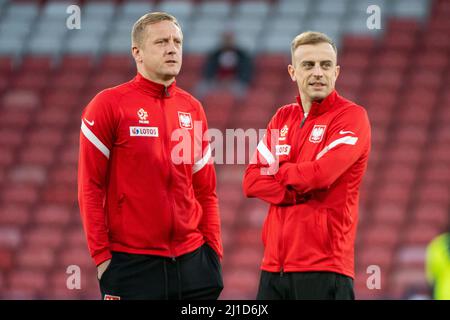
270	80
375	256
399	40
193	62
30	80
433	60
269	62
245	256
40	64
441	24
421	234
45	236
67	79
51	137
6	259
107	79
64	175
29	174
381	235
398	172
62	194
35	257
26	283
20	194
386	79
431	213
7	155
118	62
255	213
61	99
76	237
15	119
353	60
358	43
57	216
392	59
78	63
53	117
77	255
14	215
69	154
240	283
250	238
21	99
437	173
439	153
404	153
387	194
6	64
403	25
38	155
10	237
434	193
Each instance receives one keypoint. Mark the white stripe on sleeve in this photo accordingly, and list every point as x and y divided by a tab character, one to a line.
344	140
94	140
203	161
265	152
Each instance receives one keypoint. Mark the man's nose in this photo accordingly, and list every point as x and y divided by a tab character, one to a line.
317	72
171	48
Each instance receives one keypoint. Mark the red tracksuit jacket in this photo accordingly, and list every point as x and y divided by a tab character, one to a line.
311	224
133	198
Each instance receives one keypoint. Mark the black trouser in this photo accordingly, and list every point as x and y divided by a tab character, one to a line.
305	286
196	275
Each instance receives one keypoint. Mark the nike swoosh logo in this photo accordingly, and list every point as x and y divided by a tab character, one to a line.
345	132
91	123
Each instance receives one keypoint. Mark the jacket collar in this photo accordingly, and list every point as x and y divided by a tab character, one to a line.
317	108
155	89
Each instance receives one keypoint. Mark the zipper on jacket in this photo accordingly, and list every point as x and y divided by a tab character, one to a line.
169	180
304	119
281	244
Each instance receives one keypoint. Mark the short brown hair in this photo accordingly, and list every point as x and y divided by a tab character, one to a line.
137	34
311	37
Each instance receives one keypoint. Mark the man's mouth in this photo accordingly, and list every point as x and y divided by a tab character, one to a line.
171	61
317	84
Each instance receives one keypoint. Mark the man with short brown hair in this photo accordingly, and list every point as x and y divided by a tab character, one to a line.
309	168
152	223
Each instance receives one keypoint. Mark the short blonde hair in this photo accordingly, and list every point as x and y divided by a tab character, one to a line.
311	37
138	32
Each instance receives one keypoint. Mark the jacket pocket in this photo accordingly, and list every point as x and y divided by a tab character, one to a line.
107	270
115	216
326	227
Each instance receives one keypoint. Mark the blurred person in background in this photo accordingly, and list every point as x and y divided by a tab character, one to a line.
228	67
437	266
309	167
152	226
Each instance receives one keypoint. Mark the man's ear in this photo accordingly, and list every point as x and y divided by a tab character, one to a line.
338	70
136	54
291	72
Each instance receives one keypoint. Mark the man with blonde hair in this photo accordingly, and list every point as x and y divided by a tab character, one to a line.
152	223
309	168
